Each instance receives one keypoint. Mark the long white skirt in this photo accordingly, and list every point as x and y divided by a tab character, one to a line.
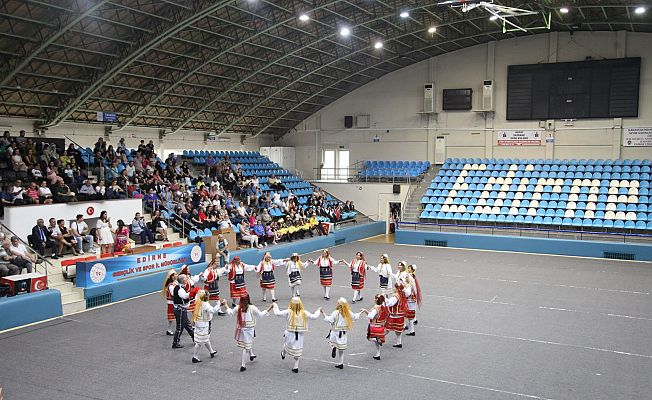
246	338
338	341
294	343
201	332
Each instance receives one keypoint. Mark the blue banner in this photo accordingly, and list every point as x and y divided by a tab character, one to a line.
110	270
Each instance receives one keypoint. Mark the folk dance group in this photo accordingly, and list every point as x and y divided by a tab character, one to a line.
394	307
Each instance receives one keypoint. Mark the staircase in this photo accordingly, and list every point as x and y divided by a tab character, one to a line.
412	208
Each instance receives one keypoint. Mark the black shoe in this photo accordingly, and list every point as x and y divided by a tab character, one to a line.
273	300
340	366
333	352
54	256
177	346
295	370
352	301
264	300
243	369
360	299
232	305
251	358
405	328
169	333
195	360
416	322
282	355
376	357
213	354
398	346
221	313
411	334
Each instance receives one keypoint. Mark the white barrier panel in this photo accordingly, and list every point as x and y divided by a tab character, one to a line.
21	219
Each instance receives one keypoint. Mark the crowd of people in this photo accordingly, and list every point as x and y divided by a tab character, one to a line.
193	300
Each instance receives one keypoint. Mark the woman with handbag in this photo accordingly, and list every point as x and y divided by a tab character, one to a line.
377	318
341	321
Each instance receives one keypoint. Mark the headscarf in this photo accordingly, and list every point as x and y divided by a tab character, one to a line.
168	280
245	301
416	283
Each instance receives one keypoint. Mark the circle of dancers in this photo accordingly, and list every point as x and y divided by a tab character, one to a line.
193	300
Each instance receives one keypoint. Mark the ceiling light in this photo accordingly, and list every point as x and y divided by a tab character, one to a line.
378	45
432	29
493	18
563	10
404	14
345	31
304	17
639	10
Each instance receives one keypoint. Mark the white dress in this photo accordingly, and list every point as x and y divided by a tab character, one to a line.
202	334
294	335
245	337
338	334
104	232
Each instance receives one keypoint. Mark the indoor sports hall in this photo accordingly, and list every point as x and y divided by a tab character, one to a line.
325	198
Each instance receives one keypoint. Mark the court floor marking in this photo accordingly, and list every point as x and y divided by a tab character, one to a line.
539	341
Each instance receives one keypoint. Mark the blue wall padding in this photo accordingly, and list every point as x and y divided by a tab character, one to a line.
27	308
526	244
146	284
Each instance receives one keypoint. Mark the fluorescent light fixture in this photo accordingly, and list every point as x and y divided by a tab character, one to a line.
493	18
304	17
432	29
404	14
345	31
639	10
378	45
563	10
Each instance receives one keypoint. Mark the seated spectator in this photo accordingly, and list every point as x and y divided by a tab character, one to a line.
247	236
17	162
7	268
151	200
140	228
63	236
81	233
62	193
258	229
45	194
114	191
17	192
42	239
31	195
159	224
87	192
24	258
100	189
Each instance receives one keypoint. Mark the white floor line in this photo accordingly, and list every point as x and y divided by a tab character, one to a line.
451	298
625	353
332	362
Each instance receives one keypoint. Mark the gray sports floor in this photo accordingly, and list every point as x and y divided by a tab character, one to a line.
493	326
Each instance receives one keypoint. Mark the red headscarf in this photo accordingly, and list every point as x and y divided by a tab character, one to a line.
242	308
416	283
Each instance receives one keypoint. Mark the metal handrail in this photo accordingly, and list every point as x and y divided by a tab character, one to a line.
38	255
522	229
349	174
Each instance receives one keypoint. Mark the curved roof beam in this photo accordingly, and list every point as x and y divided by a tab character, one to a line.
199	10
223	93
360	50
211	60
24	62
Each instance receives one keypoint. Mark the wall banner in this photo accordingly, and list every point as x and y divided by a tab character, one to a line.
519	138
637	137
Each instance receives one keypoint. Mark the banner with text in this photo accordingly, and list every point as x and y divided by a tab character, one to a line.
110	270
519	138
637	137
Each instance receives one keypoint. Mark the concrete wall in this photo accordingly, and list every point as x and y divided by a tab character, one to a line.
370	199
393	102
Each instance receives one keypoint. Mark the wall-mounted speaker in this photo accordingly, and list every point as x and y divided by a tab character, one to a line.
396	189
348	121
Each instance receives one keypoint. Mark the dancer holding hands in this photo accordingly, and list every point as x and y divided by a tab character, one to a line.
384	270
245	326
202	316
265	270
296	327
341	321
325	264
358	267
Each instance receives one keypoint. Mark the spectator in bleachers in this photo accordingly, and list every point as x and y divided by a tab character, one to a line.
63	194
247	236
81	233
87	192
140	228
121	237
31	195
42	239
17	191
159	225
63	236
5	140
17	162
7	267
151	200
24	258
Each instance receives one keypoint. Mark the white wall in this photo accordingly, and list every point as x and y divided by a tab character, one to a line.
87	134
22	219
370	199
394	100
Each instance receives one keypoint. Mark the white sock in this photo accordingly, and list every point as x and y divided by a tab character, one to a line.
194	351
328	291
341	356
296	362
410	325
209	347
264	294
355	295
398	337
273	295
245	355
171	326
378	347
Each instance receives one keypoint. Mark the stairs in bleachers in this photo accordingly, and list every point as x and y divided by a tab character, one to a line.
587	195
412	207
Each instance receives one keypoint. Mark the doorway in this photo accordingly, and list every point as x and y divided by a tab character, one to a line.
335	165
393	216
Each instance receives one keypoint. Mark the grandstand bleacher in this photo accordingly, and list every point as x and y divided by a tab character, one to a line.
393	169
589	194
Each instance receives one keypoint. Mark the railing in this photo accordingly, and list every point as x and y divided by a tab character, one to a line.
41	268
354	174
527	232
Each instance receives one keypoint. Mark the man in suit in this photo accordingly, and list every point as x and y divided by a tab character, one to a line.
42	239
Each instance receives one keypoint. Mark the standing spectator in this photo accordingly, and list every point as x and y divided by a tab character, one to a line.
140	228
104	232
81	232
42	239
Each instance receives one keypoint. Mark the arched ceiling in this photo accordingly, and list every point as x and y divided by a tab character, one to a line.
244	66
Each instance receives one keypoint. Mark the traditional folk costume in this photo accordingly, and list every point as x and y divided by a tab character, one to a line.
245	329
296	327
190	286
358	272
180	299
238	286
341	321
325	264
265	269
397	305
168	287
294	266
211	278
376	329
202	317
384	270
413	300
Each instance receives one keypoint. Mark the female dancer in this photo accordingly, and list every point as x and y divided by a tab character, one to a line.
294	266
377	318
245	327
413	300
341	321
325	264
238	286
168	285
397	305
358	269
211	278
202	316
191	286
296	326
384	270
265	269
